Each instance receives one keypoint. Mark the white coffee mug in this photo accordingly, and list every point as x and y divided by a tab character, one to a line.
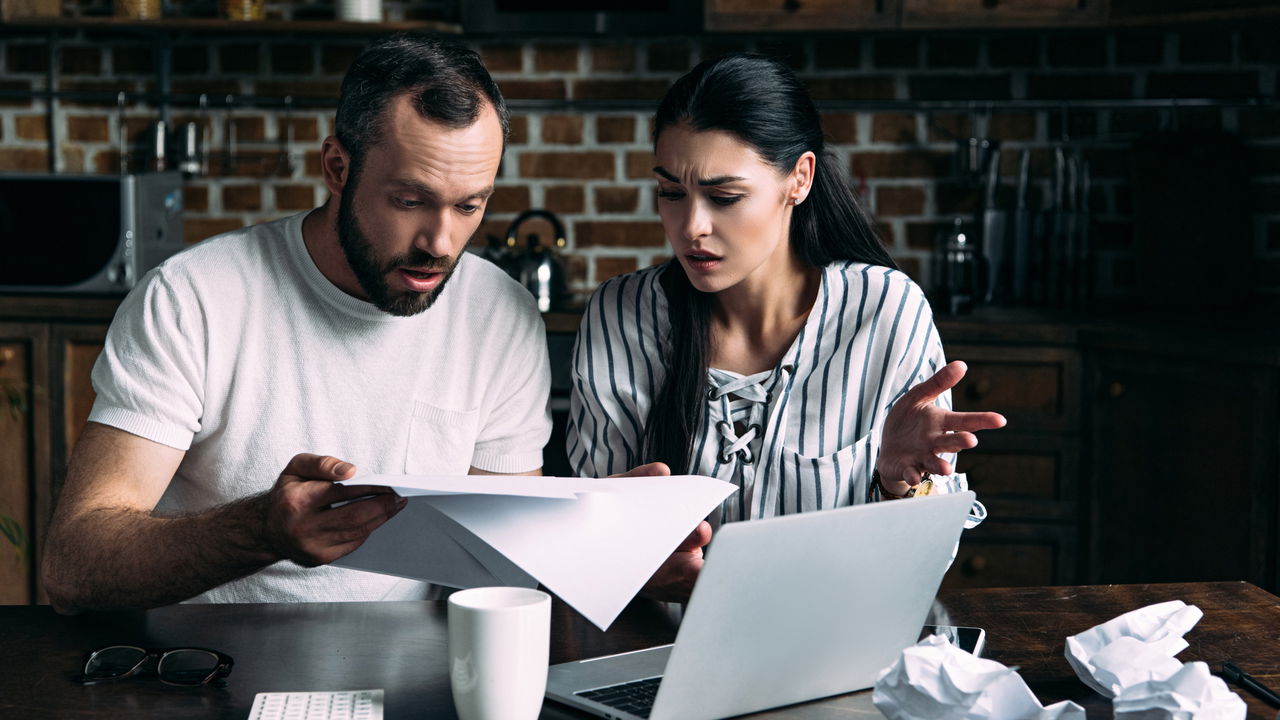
499	647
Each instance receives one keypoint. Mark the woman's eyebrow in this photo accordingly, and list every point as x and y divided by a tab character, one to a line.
718	180
661	171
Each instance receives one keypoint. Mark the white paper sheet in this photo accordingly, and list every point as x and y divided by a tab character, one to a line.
1191	693
1131	648
934	680
593	542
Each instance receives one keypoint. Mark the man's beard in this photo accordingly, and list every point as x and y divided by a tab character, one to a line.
372	274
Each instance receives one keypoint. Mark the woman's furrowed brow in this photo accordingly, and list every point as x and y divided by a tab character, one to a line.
661	171
718	180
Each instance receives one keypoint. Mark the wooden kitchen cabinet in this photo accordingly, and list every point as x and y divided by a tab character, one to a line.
1027	474
1137	450
47	350
1148	12
837	15
75	349
1001	13
766	15
1001	554
1184	481
23	444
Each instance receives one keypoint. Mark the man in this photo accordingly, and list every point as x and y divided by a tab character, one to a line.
354	339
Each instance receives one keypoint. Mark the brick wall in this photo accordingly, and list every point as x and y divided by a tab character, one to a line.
592	167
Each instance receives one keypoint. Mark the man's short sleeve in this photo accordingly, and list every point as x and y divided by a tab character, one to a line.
148	378
518	424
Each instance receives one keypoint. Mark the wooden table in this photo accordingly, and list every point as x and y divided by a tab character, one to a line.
401	647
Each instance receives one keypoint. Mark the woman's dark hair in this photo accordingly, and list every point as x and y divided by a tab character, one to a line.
762	103
446	82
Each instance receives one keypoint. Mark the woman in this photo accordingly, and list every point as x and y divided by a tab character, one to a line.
781	349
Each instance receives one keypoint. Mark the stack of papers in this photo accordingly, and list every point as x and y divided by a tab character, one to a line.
592	542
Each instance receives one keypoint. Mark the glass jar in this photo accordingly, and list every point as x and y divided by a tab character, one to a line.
243	9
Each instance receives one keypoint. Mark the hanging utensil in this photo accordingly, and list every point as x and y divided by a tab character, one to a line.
1084	242
205	130
1052	256
284	162
122	134
157	146
229	138
973	153
1070	291
994	229
1022	260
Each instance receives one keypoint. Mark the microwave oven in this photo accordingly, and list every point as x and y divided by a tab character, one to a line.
86	234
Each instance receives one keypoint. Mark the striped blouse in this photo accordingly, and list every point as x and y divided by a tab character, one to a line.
802	436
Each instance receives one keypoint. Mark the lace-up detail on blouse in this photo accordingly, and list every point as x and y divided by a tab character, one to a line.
746	407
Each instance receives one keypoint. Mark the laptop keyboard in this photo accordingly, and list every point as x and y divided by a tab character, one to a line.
635	697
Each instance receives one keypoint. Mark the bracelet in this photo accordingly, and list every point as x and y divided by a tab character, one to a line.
879	489
925	487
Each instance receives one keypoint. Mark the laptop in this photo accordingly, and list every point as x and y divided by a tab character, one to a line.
786	609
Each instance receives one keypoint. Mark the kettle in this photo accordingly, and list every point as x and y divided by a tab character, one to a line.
540	269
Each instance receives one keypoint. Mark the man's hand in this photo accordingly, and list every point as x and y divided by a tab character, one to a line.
674	579
916	430
301	523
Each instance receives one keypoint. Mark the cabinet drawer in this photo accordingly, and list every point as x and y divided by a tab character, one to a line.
1025	477
1037	389
998	554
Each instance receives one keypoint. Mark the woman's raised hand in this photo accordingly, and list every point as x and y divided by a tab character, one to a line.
916	431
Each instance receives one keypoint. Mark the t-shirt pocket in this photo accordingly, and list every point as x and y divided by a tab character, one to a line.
441	441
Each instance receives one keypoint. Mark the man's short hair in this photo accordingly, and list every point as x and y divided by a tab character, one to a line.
446	82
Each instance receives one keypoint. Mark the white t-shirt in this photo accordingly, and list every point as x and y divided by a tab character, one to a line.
239	351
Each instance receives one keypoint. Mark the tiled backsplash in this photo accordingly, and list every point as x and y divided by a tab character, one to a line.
590	163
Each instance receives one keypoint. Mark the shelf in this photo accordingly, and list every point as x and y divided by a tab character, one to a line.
222	25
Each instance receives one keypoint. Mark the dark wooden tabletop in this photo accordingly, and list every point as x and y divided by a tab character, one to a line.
401	647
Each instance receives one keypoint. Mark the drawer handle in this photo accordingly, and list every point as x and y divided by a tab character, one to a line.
975	564
7	354
1115	389
791	5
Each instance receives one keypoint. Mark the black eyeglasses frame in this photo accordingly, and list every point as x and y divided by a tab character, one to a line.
152	660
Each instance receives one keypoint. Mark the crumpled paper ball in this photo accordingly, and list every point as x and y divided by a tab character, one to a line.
1132	648
1191	693
934	680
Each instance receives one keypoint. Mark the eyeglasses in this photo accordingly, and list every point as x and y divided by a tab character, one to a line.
175	666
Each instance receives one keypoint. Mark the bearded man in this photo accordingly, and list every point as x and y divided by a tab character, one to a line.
353	339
